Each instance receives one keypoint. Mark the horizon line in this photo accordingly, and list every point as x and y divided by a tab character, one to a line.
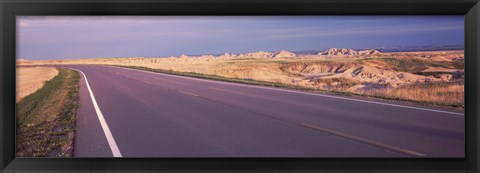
237	53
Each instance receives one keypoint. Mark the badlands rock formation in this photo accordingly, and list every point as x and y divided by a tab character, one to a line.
361	73
259	54
336	51
227	56
284	54
368	52
348	52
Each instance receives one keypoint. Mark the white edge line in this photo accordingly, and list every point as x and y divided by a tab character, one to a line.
106	130
300	92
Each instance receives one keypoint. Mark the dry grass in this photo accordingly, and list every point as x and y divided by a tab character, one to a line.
337	84
30	79
443	94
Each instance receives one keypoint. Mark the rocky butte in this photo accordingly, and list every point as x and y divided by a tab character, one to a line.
284	54
348	52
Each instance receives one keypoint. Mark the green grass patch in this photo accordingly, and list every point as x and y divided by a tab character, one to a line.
45	120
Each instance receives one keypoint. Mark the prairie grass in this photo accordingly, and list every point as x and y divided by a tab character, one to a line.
413	65
30	79
219	78
442	93
339	83
45	120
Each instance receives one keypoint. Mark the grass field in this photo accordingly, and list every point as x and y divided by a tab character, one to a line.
414	65
46	119
218	78
449	94
30	79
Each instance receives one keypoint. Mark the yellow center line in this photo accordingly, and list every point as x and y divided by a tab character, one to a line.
188	93
364	140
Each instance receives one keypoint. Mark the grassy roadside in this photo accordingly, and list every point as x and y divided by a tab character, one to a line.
218	78
382	96
46	119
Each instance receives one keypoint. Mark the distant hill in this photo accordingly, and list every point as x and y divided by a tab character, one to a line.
320	52
347	52
420	48
284	54
391	49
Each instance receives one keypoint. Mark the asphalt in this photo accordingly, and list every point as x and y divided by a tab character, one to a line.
158	115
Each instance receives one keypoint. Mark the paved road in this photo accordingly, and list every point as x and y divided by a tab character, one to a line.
156	115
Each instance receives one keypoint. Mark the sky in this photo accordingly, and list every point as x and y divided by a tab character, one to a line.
64	37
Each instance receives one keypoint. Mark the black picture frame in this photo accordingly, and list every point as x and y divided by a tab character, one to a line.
11	8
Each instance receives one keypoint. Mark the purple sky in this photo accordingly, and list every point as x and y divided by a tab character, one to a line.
62	37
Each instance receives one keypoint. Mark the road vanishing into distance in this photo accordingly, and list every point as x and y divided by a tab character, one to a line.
132	113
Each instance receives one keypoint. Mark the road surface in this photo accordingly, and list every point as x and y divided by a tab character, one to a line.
132	113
